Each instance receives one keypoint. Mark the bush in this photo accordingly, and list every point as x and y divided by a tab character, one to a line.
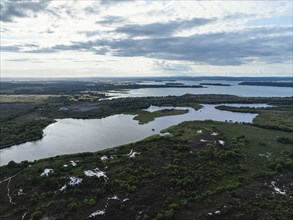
284	140
89	202
36	215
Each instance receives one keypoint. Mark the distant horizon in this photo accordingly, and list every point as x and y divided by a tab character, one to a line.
153	77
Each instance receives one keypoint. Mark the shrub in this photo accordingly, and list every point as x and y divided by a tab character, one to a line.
36	215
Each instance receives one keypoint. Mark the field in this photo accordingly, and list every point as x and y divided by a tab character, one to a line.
23	98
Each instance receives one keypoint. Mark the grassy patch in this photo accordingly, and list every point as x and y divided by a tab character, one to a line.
24	98
271	118
145	116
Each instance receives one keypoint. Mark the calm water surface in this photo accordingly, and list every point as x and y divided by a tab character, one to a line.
68	136
234	89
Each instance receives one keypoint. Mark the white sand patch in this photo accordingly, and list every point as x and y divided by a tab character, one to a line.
203	140
98	212
221	142
73	163
199	131
47	171
20	192
132	153
214	134
63	188
106	157
74	181
277	190
267	155
114	198
165	134
97	173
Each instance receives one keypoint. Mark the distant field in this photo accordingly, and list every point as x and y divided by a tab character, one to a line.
24	98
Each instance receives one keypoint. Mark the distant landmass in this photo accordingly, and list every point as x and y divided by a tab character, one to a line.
277	84
214	84
150	78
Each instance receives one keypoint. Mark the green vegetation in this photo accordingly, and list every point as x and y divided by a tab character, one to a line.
214	84
23	121
277	84
271	118
23	98
145	116
201	170
75	87
238	171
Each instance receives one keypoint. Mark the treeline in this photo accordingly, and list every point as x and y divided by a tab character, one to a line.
214	84
70	87
17	133
277	84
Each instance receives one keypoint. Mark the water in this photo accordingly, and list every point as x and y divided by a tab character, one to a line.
68	136
234	89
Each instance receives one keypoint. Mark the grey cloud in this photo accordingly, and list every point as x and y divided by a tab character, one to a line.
109	20
239	16
92	10
9	48
270	45
163	29
166	66
97	6
18	60
215	49
13	9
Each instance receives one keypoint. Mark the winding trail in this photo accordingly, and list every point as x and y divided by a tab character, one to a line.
10	177
8	191
23	216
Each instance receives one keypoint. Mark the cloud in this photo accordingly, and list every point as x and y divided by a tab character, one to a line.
162	29
270	45
226	48
18	60
9	48
225	35
109	20
19	9
163	65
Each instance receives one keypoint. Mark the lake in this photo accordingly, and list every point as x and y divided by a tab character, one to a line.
67	136
234	89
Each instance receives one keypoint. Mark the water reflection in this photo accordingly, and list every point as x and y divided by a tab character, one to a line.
68	136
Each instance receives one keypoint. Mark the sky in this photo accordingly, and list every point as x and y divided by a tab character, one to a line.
82	38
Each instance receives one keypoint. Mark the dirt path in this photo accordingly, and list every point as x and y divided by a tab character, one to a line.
8	192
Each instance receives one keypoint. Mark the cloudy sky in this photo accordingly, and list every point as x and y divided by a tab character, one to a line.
50	38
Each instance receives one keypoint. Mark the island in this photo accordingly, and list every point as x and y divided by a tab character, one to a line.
214	84
277	84
146	116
